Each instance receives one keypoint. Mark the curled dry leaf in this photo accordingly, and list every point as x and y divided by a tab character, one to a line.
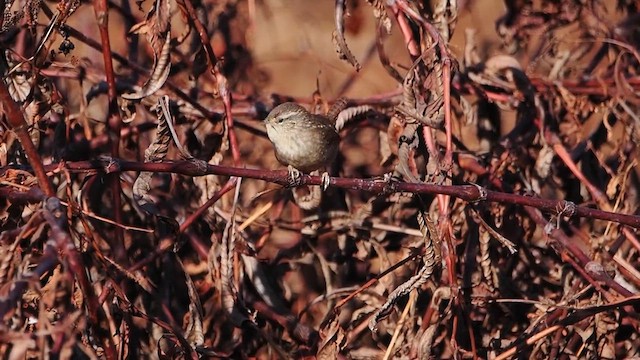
156	151
380	13
348	114
422	91
445	15
431	259
193	319
485	259
20	86
338	37
332	340
157	29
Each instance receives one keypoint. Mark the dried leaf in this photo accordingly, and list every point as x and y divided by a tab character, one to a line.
445	15
422	92
333	339
192	325
157	29
159	74
230	300
380	13
485	260
346	115
156	151
338	37
431	259
20	86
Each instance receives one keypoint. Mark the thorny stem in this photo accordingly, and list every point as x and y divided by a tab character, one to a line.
581	257
114	122
469	193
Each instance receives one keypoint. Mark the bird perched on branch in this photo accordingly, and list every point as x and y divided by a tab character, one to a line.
303	141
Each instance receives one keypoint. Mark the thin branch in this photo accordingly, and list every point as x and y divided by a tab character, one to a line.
16	120
114	123
471	193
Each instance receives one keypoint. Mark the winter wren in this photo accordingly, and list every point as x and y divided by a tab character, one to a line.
302	141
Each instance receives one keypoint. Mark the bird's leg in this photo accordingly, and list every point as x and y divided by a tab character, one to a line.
294	176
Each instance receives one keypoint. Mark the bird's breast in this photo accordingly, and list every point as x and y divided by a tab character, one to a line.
306	149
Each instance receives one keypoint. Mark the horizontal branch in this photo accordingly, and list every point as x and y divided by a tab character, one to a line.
470	193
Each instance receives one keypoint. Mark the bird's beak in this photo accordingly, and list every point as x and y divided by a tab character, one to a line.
268	123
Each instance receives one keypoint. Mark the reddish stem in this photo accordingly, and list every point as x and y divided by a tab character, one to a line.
563	154
446	73
114	124
465	192
16	120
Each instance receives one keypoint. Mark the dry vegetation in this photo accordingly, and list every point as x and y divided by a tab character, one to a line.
483	204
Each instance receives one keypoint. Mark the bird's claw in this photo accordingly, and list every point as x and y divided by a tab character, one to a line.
295	176
326	180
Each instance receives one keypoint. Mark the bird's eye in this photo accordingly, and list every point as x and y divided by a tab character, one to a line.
280	121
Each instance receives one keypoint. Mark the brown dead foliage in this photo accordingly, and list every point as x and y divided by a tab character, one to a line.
483	205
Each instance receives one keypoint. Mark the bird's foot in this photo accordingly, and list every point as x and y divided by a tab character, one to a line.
295	176
326	180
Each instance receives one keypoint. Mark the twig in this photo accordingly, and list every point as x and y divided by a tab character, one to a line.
114	123
465	192
15	118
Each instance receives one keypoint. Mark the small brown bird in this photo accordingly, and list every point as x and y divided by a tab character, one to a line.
303	141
